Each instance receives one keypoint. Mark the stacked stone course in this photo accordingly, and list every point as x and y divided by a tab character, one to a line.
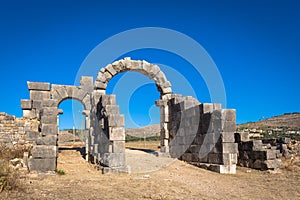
16	130
203	134
258	154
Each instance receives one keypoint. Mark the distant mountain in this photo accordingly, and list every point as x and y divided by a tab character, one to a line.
289	120
151	130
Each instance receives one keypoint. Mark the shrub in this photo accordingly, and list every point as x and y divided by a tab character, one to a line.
9	178
60	172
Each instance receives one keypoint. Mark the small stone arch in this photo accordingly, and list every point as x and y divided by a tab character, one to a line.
150	70
60	93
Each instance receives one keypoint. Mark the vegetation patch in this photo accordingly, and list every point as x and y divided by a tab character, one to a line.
130	138
10	177
60	172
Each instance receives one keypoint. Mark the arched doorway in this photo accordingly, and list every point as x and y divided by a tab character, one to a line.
151	71
72	132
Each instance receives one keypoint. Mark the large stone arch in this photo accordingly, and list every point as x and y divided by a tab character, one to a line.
150	70
153	72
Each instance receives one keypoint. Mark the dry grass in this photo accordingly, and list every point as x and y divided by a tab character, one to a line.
152	145
16	151
10	177
292	164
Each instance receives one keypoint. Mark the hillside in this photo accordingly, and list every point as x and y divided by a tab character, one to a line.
151	130
288	120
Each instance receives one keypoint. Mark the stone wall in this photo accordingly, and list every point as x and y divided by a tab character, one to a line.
107	135
16	130
202	134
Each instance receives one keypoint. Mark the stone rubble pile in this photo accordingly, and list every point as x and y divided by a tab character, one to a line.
258	154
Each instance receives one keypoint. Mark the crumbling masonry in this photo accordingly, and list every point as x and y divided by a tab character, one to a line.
202	134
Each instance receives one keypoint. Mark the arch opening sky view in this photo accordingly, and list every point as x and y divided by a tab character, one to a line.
254	44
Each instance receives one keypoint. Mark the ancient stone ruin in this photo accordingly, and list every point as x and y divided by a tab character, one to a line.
199	133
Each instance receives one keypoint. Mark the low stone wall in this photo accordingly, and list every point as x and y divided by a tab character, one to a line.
203	134
258	154
16	130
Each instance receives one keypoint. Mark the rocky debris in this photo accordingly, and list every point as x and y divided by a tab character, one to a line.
17	163
267	153
260	154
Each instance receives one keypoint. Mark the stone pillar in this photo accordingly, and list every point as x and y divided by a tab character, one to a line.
44	152
164	123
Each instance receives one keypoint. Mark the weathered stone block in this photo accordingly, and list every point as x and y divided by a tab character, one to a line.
114	159
49	119
111	70
241	137
39	95
118	147
160	77
26	104
167	90
227	169
43	151
229	126
112	109
229	158
269	154
229	115
70	90
86	82
227	137
108	99
107	76
62	91
42	164
188	104
215	158
49	111
273	164
87	102
117	133
206	108
217	106
152	71
100	85
230	147
31	135
253	145
47	140
115	120
41	86
37	104
49	129
207	126
187	157
79	94
101	77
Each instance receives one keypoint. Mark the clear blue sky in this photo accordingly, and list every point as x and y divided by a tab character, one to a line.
255	45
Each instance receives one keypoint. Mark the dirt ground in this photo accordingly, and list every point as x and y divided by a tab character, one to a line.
155	178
